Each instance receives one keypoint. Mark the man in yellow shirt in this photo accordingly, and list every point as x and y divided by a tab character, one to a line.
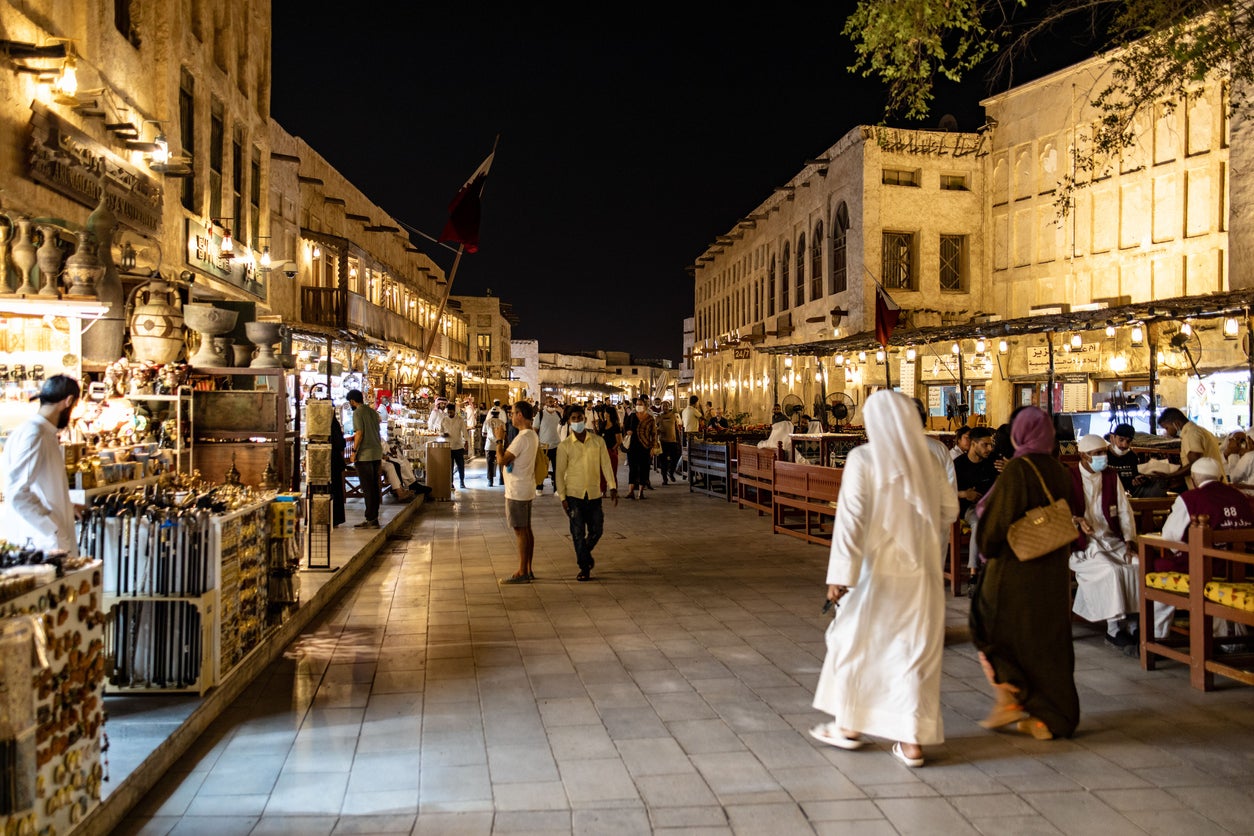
582	459
1195	443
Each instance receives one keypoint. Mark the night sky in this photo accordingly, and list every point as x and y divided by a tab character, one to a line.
629	138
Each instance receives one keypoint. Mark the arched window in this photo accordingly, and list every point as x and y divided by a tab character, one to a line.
801	269
840	252
757	300
783	277
771	278
816	262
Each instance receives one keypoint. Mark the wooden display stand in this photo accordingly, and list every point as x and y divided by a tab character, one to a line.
65	784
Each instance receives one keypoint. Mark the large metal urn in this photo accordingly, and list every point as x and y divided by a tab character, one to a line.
102	342
156	323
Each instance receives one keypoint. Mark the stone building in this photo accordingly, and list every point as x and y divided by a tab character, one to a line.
524	369
898	207
489	323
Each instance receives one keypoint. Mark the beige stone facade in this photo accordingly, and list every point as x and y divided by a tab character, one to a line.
894	206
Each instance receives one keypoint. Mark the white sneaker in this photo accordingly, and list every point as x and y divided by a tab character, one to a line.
539	491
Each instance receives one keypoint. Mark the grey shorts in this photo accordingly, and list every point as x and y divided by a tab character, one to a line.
518	513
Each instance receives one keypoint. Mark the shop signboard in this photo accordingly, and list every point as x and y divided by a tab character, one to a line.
944	367
739	353
205	254
1087	359
73	164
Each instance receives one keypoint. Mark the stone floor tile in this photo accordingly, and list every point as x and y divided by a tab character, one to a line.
602	779
294	826
610	822
354	822
687	817
766	819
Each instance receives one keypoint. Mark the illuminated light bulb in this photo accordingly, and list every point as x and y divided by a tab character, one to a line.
788	362
1230	328
911	354
839	359
980	345
67	83
1077	341
1118	364
1160	356
861	356
879	356
818	377
1110	331
1186	329
228	243
1137	335
317	251
265	259
161	153
956	349
1003	347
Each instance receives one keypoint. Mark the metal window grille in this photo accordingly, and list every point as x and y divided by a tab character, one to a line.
783	277
816	262
898	261
801	270
951	262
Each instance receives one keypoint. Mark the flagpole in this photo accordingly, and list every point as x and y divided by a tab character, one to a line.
888	372
448	287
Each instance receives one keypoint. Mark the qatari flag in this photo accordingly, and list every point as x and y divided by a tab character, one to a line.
464	210
887	312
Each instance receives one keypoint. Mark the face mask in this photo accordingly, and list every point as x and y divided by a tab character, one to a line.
640	409
578	426
1098	464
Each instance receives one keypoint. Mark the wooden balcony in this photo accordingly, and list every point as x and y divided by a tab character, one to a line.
326	306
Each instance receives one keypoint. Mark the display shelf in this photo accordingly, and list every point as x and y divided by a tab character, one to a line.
175	653
244	371
80	496
58	778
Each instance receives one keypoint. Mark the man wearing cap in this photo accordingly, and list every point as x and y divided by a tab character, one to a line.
490	425
36	491
1104	560
1124	462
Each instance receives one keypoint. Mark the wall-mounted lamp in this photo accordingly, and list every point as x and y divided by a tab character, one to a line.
1186	328
1118	364
956	349
317	251
1231	328
1077	342
1110	330
839	359
1136	337
879	356
911	354
127	257
788	362
980	345
1003	347
861	356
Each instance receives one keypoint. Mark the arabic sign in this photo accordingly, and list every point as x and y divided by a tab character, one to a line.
1087	359
70	162
944	367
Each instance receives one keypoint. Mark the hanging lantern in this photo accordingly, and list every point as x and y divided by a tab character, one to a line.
1230	328
1137	335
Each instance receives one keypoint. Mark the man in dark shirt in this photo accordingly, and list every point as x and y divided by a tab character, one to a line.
975	471
1123	461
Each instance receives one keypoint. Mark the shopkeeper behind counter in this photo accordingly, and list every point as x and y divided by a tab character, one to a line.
37	503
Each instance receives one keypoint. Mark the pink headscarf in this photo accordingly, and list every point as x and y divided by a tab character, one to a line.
1032	432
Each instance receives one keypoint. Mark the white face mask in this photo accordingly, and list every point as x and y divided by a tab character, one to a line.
639	409
1098	463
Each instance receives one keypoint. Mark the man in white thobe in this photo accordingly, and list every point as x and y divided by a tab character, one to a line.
37	503
781	430
1105	566
882	672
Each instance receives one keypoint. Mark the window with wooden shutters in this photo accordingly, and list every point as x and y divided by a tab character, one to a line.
816	263
898	261
783	278
951	252
801	269
840	252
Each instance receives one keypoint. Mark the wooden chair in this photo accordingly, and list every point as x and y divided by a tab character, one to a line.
956	571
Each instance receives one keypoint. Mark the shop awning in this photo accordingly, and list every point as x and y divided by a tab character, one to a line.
1205	306
594	388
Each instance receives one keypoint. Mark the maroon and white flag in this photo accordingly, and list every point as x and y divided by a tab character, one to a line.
465	209
887	312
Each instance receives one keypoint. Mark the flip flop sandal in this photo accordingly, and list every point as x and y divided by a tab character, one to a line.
900	755
830	734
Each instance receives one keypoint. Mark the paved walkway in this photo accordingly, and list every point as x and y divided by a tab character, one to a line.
673	693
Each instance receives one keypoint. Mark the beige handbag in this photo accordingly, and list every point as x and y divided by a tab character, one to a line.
1042	530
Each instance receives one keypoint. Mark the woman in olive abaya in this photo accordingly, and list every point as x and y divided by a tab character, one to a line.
1021	612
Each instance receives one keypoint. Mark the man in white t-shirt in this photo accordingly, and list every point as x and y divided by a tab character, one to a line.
490	426
518	465
455	431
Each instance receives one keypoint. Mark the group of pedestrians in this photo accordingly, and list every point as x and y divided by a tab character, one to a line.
881	674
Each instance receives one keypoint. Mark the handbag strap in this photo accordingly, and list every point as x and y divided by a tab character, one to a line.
1041	478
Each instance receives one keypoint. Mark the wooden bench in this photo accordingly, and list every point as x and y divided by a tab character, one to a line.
710	468
755	477
1212	554
803	501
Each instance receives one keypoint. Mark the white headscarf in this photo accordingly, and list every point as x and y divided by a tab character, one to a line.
901	458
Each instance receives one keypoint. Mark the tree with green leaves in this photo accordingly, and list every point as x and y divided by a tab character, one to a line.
1159	50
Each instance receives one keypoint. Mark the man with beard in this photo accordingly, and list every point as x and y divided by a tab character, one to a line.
37	493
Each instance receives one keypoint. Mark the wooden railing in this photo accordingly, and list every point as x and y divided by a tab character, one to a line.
324	306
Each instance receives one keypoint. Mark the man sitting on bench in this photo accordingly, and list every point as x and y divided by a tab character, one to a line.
1227	508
